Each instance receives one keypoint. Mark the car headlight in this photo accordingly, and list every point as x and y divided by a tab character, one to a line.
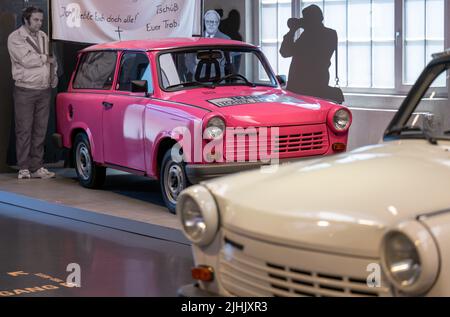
410	258
214	129
402	259
198	213
341	120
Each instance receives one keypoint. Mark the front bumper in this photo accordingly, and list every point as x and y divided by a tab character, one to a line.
201	172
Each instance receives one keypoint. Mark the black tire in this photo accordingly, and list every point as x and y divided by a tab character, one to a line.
90	175
172	180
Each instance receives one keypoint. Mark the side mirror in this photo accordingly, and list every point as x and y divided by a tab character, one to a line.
282	80
139	86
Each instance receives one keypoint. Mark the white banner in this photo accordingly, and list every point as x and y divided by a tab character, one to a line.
99	21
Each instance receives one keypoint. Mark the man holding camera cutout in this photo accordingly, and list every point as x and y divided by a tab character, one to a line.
311	54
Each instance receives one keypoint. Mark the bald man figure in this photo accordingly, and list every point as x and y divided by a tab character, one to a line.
212	22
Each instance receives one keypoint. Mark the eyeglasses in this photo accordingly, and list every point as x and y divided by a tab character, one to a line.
211	22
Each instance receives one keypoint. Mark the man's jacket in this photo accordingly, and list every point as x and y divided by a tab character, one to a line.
30	66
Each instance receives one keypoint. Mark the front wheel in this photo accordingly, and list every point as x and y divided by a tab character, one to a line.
89	174
173	180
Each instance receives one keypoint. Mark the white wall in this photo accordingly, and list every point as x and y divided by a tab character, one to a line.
371	116
368	126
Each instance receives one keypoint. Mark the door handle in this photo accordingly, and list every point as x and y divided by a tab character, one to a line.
107	105
70	111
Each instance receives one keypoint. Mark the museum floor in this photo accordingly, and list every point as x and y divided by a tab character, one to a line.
124	195
122	237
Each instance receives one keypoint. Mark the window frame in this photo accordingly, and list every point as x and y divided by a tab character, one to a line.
242	48
416	97
400	89
151	86
81	57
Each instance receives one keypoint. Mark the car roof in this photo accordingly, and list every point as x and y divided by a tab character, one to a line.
164	44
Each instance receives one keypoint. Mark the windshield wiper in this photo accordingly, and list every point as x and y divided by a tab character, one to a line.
238	76
425	133
192	84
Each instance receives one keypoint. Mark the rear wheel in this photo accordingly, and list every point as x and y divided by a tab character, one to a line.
89	174
173	180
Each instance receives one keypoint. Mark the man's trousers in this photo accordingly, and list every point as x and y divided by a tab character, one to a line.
31	109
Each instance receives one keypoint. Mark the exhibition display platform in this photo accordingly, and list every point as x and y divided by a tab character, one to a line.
121	238
47	255
126	202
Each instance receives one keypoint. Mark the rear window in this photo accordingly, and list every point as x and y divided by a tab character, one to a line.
96	71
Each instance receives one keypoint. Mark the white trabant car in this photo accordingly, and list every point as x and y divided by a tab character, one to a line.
371	222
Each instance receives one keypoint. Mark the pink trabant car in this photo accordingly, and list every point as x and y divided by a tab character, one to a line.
185	110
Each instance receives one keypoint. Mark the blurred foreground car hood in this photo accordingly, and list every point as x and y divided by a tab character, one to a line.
341	204
250	107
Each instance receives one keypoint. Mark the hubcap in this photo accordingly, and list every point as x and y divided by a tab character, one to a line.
173	182
83	160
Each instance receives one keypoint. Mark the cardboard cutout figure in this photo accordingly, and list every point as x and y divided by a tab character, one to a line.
212	22
311	54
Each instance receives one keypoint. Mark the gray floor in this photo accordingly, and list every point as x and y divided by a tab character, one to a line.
35	249
124	195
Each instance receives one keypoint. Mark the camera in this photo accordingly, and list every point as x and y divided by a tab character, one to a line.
295	24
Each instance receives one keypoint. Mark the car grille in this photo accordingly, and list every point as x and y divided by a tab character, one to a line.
243	275
291	142
301	142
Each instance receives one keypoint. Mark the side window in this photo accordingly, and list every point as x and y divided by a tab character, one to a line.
432	113
134	66
96	71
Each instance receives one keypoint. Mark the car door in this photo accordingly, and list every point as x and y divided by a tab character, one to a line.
91	86
123	118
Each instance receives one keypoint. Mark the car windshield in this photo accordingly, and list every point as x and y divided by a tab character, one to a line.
431	116
212	67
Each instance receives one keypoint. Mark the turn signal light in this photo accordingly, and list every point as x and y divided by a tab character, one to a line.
339	147
203	273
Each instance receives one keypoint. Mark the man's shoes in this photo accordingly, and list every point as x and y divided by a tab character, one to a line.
24	174
43	173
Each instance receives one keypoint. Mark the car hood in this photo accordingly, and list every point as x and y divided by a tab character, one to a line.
248	107
341	203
